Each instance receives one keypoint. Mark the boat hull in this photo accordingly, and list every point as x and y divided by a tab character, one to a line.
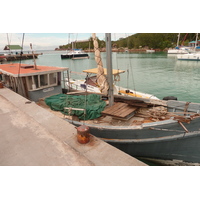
165	140
177	51
184	147
80	56
192	57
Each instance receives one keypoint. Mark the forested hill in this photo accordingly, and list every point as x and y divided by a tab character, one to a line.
141	40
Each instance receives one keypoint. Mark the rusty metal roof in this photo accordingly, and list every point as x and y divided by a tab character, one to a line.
22	70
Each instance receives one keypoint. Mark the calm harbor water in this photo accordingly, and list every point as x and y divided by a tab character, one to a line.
155	73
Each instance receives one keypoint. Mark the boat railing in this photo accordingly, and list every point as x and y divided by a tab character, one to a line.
70	110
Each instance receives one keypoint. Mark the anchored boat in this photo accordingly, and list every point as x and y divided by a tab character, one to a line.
75	54
195	56
141	127
96	79
32	81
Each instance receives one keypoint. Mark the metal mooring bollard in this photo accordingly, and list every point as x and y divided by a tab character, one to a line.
1	85
83	135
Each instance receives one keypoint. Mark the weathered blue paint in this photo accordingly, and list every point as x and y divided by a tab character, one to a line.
41	93
159	140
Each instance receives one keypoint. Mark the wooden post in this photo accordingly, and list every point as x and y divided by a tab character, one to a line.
33	56
109	68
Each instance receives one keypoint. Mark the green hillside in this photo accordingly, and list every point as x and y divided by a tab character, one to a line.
141	40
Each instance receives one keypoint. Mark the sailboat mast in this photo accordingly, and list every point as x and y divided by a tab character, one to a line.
109	68
8	42
196	42
178	40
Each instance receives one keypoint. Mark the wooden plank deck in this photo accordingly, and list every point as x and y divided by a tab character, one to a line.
120	110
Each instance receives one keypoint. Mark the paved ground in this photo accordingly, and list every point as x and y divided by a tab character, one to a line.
32	136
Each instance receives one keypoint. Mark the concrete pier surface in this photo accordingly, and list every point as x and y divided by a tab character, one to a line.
33	136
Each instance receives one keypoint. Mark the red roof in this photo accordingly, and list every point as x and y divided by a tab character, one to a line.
16	69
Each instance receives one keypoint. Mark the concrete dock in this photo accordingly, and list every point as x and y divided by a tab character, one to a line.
33	136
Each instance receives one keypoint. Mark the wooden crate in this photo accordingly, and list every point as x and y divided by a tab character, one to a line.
120	110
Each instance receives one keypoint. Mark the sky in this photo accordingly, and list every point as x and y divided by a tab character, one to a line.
47	25
49	41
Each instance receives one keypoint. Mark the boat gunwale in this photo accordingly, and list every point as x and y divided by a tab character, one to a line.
152	140
144	125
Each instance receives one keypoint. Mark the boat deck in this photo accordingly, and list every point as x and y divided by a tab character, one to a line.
120	110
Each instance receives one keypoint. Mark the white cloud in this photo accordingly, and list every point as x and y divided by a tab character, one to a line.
39	43
48	41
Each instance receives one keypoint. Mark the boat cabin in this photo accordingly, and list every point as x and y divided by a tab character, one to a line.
32	82
193	43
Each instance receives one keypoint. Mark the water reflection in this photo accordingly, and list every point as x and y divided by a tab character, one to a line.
155	73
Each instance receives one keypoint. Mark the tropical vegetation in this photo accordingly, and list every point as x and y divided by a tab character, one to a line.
141	40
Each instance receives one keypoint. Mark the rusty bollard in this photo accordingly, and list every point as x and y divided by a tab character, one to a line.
1	85
83	135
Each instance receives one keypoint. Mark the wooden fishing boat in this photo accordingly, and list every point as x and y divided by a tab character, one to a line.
32	81
141	127
160	132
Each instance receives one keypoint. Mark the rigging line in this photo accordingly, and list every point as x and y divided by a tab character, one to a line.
117	64
10	38
8	41
132	75
21	54
77	43
18	80
130	64
69	38
85	112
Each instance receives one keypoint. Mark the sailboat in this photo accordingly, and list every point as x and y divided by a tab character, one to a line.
177	49
94	83
75	53
141	127
195	56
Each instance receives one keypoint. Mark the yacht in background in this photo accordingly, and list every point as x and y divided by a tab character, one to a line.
191	56
75	54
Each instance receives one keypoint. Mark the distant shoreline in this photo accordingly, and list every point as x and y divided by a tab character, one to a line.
115	50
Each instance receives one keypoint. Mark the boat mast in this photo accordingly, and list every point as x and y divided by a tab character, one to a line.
109	68
8	43
196	42
178	40
35	66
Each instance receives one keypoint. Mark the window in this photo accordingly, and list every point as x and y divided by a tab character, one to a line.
41	81
35	81
52	78
29	82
